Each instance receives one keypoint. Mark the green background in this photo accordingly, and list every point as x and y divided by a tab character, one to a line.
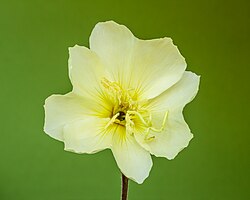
212	35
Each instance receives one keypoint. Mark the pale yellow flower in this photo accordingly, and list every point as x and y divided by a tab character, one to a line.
128	95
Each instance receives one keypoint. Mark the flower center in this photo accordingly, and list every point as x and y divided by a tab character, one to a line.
127	110
123	102
121	116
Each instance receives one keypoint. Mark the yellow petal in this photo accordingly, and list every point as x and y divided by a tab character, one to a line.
178	95
156	66
171	140
133	161
176	133
87	136
63	109
113	43
60	110
85	71
147	66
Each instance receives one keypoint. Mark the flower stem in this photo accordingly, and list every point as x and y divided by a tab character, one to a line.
124	187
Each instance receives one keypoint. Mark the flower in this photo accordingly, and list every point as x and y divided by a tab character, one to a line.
128	95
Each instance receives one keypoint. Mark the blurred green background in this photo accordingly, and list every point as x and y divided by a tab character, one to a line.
212	35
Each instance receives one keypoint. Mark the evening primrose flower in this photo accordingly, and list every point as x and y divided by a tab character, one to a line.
128	96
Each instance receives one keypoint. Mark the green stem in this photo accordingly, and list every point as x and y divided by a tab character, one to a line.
124	187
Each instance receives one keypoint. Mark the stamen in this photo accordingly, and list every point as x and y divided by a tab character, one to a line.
140	117
129	124
106	83
112	120
155	129
162	126
126	108
149	139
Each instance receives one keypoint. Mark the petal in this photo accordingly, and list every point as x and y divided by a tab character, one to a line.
170	141
133	161
85	71
63	109
147	66
176	134
156	65
60	110
178	95
114	44
87	136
